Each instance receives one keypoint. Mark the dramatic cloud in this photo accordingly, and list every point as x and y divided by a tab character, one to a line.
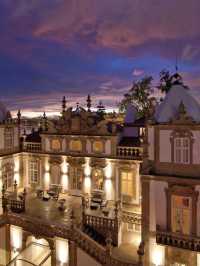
74	47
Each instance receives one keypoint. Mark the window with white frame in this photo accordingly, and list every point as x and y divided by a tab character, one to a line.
8	175
34	171
182	150
9	138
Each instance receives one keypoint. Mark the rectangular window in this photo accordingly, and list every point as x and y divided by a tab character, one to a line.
182	150
127	183
9	138
33	171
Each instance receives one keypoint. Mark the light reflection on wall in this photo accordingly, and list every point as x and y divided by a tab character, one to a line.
108	182
15	240
108	169
65	177
87	179
157	253
16	169
62	251
47	173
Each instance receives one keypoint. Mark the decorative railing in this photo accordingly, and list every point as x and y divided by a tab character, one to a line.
129	152
103	225
32	147
17	205
90	246
131	218
177	240
47	229
14	202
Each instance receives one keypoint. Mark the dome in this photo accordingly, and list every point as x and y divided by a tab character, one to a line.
169	108
4	113
131	114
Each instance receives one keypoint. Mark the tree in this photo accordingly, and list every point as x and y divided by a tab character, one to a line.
167	80
139	95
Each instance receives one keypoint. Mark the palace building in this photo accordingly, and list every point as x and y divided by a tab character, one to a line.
86	190
71	189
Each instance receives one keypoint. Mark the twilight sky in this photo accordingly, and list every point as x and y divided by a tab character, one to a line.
52	48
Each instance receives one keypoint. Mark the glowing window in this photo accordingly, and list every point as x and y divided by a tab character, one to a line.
127	183
8	175
97	146
56	145
97	177
75	145
33	171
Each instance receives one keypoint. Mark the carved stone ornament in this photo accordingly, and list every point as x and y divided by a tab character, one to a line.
55	160
75	161
182	117
98	163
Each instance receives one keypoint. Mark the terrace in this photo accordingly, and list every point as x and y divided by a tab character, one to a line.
46	218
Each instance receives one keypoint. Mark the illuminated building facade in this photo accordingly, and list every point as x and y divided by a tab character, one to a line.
79	154
170	182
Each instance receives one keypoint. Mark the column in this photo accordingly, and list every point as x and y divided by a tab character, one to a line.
72	253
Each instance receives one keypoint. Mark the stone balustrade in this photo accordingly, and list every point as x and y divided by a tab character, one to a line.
45	229
177	240
32	147
103	225
129	152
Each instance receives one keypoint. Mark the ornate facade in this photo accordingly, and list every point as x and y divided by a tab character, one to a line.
85	190
170	182
80	153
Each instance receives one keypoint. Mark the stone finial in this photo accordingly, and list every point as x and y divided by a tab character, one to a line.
19	117
140	252
24	193
45	121
89	103
64	104
109	244
182	109
15	185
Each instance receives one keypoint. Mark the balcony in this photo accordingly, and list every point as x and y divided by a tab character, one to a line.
130	152
32	147
177	240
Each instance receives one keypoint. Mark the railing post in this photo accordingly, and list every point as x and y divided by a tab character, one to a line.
83	211
53	254
140	253
116	223
4	200
15	188
72	243
108	249
24	198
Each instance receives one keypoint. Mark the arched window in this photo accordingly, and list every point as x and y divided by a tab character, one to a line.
75	145
9	138
97	179
182	145
8	175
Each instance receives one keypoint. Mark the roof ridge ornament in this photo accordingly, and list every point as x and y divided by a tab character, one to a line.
182	117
